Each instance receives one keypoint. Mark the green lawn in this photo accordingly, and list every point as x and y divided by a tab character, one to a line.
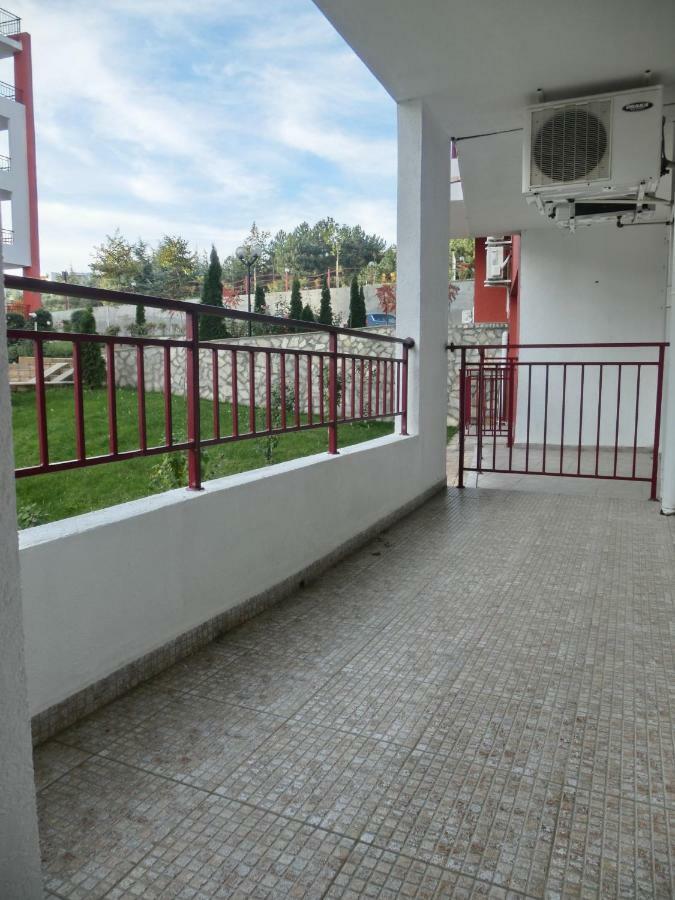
45	498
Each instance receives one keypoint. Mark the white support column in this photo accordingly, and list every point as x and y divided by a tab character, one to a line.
422	276
19	852
668	408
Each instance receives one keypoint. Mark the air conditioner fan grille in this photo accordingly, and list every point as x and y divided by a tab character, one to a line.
570	144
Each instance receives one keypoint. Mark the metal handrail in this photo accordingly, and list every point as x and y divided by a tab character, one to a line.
377	386
8	91
10	23
6	236
64	289
5	163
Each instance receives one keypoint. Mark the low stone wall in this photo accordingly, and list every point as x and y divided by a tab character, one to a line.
477	335
126	373
125	364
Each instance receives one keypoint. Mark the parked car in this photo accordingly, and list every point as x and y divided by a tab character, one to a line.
380	319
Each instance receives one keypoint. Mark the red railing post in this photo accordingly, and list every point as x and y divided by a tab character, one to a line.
657	421
404	391
41	402
332	393
480	410
192	391
462	417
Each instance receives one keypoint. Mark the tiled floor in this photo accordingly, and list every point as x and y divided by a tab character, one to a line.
480	703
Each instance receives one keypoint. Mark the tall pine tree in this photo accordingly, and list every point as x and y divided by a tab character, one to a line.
211	327
307	315
325	310
357	311
295	310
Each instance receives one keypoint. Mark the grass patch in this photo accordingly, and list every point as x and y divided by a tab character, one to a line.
46	498
452	431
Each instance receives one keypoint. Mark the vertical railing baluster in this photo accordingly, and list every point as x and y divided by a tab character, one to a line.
296	389
140	397
370	387
618	416
377	388
343	388
529	407
361	388
193	402
332	394
543	458
80	446
637	416
462	417
404	391
480	410
168	410
597	437
41	401
310	399
111	389
268	390
282	384
581	416
321	390
235	393
215	392
657	422
512	412
251	392
562	417
391	388
352	395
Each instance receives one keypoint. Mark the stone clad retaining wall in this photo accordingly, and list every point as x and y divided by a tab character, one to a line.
471	334
125	364
125	367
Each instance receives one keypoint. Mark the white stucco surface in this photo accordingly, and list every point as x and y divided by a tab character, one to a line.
103	589
19	853
599	284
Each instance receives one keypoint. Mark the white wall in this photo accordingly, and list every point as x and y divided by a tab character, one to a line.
101	590
14	184
598	284
19	854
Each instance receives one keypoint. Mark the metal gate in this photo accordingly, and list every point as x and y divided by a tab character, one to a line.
564	410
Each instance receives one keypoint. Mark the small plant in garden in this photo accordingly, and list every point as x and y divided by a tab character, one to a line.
307	315
170	472
357	305
29	514
267	445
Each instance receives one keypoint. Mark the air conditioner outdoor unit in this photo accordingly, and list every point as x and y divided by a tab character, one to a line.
591	147
496	261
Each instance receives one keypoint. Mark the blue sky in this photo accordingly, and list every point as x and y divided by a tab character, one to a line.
199	117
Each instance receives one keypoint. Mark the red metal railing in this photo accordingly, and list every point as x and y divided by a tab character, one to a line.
318	388
596	413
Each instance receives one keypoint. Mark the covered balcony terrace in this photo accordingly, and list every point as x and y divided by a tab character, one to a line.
476	703
337	676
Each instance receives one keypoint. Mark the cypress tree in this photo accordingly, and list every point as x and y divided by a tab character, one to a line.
210	327
325	310
260	304
362	305
93	367
357	314
140	320
307	315
295	309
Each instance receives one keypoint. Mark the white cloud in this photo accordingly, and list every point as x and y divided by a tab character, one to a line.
162	117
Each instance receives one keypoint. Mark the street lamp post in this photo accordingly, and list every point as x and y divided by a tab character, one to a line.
249	254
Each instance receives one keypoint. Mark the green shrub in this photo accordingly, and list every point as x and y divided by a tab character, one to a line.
29	515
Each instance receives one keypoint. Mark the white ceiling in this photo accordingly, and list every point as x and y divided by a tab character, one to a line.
479	63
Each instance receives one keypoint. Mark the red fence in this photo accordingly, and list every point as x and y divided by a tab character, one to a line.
595	413
338	387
